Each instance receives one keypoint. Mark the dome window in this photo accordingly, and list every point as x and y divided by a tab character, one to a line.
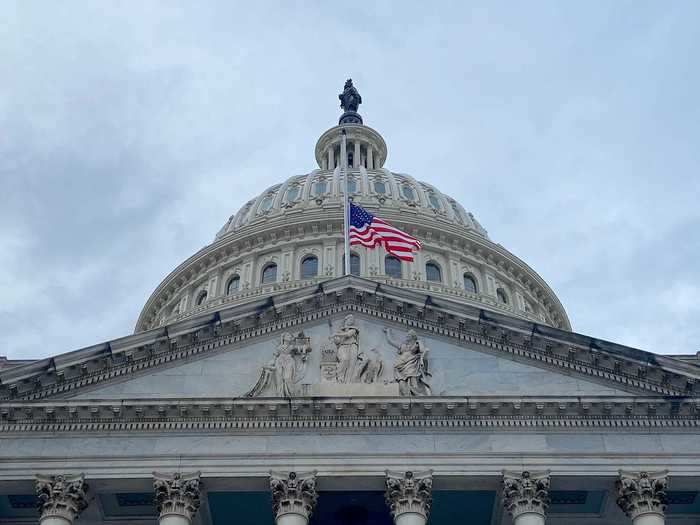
352	186
292	193
266	203
309	267
233	285
354	264
469	283
392	266
379	187
433	272
408	193
201	298
501	295
320	187
269	274
433	200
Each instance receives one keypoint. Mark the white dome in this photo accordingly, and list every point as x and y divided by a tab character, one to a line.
291	236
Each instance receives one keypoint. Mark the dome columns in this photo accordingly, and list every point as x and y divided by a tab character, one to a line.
366	148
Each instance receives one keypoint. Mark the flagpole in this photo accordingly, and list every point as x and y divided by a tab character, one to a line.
346	215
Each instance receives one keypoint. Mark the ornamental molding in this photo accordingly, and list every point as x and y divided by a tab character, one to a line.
269	415
409	493
293	493
642	493
177	494
61	496
525	493
216	332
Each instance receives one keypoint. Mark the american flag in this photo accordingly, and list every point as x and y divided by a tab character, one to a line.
370	231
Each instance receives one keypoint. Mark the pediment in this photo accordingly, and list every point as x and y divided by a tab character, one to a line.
453	369
471	352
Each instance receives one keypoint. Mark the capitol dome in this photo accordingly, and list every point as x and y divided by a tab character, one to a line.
290	236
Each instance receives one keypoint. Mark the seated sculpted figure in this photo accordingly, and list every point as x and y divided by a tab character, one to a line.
411	365
287	367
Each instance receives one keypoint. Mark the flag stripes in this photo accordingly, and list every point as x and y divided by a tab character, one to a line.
370	231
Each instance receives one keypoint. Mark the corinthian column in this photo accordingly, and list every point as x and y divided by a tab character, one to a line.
61	498
526	496
177	497
642	496
293	497
409	496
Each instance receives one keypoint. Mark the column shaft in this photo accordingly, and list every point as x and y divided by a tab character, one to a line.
356	159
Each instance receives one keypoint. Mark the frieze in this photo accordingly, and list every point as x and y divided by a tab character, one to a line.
532	348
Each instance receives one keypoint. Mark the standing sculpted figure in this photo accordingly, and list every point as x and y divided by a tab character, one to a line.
347	344
411	365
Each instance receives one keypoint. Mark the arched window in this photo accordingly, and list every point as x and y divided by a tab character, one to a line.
502	297
292	193
233	285
269	274
379	187
309	267
266	203
201	298
320	187
408	193
354	264
432	272
433	200
469	283
352	186
392	266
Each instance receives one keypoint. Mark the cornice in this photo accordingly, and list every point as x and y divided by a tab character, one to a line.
200	336
326	222
263	415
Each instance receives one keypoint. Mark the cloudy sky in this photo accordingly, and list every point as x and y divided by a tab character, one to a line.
130	131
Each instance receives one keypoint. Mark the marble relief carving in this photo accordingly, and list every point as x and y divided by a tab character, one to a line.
345	366
411	364
282	375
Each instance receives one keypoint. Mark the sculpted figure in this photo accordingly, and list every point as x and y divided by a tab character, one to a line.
346	341
411	365
350	98
287	367
370	366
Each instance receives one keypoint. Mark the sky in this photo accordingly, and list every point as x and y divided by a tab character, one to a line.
131	131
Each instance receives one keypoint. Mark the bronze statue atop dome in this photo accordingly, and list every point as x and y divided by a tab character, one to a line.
350	100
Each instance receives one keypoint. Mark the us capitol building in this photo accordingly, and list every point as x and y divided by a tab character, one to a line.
264	384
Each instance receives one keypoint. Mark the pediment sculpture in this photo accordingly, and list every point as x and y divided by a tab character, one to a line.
411	364
282	375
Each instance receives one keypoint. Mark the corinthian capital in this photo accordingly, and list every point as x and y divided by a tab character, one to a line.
526	492
293	493
409	492
642	492
177	493
61	496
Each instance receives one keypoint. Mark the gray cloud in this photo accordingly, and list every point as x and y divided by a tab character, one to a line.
129	134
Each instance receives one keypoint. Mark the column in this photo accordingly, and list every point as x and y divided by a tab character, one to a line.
331	160
526	496
642	496
177	497
370	157
61	498
409	496
356	158
293	497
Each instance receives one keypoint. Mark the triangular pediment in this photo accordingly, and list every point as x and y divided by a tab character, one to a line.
471	352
